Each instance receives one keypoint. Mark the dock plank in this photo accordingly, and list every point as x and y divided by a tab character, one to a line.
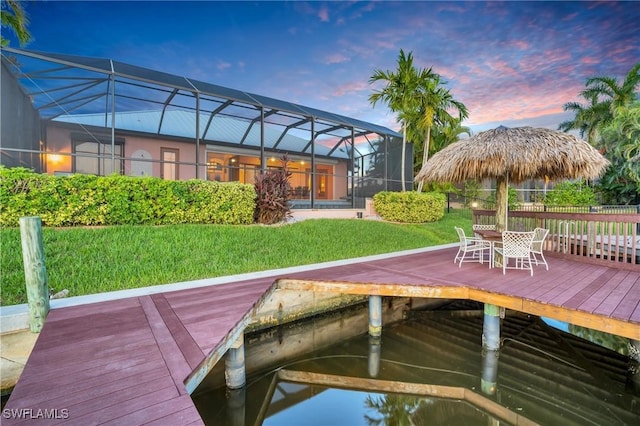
125	361
189	347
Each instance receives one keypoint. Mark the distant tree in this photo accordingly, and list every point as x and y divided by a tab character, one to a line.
13	16
398	94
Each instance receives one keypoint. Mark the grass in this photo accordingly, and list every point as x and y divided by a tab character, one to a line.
96	260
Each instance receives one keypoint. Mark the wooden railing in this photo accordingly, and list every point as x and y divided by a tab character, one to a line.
612	239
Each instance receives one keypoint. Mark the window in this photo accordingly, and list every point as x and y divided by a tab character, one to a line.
169	167
93	155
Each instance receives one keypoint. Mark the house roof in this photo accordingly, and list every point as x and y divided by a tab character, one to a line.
62	86
221	129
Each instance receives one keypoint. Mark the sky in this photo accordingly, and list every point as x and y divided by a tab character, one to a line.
510	63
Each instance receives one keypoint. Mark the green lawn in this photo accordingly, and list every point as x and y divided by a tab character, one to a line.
96	260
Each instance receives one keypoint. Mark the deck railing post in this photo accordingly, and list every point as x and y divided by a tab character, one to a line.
234	365
375	316
35	272
491	328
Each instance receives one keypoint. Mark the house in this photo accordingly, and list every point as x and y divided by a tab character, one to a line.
64	114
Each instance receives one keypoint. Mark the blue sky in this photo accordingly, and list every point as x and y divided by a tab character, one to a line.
511	63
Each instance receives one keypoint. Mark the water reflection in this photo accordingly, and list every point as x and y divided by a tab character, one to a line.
428	369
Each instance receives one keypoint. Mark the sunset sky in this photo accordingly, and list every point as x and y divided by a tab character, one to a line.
511	63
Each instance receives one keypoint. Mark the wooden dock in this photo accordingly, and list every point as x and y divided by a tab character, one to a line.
136	360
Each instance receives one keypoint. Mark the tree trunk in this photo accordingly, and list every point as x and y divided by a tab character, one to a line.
502	200
404	149
425	154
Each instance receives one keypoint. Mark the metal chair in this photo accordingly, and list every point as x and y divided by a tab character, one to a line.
540	234
517	246
477	226
471	245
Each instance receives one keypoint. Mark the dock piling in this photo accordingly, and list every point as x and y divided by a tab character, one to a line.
375	316
375	347
491	328
234	365
489	378
35	272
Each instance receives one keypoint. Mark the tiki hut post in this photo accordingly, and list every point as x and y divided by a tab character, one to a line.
502	203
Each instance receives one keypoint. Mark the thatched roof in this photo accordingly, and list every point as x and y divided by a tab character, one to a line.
519	153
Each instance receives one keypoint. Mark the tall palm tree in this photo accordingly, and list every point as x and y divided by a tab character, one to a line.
398	94
12	15
434	106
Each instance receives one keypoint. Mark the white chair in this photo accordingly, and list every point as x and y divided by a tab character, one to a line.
478	226
481	227
540	234
471	245
516	246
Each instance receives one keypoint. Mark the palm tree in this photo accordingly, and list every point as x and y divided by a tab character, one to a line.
616	96
12	15
604	96
588	117
398	94
441	136
435	102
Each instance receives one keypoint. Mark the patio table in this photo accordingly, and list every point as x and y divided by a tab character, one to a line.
492	237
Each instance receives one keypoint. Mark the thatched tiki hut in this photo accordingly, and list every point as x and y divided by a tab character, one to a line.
514	155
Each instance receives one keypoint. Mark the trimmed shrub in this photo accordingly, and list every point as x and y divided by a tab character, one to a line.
410	206
119	200
568	193
272	195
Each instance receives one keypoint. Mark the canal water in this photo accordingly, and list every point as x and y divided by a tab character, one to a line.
429	368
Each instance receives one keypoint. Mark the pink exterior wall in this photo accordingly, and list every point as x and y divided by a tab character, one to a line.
143	154
59	144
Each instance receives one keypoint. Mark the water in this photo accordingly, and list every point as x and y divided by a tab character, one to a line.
427	369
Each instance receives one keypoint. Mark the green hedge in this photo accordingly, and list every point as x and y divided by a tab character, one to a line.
118	200
569	193
410	206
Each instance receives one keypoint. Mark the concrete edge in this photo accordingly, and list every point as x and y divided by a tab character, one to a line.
15	318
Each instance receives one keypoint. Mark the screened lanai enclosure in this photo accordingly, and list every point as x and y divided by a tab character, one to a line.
64	114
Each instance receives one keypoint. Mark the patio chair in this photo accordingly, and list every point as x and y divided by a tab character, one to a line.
471	245
516	246
477	226
540	234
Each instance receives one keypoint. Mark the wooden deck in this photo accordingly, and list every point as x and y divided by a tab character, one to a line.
135	361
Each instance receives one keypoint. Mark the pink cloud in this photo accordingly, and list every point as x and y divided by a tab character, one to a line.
223	65
336	58
590	60
323	14
351	87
